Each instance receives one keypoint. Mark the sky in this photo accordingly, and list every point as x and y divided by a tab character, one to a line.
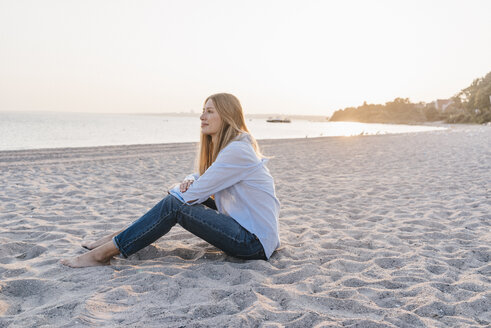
291	57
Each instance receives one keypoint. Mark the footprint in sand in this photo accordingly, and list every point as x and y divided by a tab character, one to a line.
11	252
25	288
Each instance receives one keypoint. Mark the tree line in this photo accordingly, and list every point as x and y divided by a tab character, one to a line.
470	105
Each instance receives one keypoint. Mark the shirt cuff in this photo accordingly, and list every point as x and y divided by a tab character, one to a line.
176	192
192	177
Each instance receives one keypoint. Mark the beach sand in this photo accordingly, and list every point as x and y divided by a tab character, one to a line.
376	231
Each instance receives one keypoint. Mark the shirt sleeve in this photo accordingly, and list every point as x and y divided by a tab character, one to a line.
232	165
192	177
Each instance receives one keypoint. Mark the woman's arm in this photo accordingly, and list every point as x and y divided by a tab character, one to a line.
188	181
184	186
233	164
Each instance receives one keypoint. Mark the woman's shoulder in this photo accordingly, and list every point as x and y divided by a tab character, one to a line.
240	146
243	137
242	142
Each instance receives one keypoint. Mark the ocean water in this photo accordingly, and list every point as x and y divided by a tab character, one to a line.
32	130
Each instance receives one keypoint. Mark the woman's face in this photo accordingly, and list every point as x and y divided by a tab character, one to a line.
210	120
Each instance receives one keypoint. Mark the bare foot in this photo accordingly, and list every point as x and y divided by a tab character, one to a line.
96	257
94	244
83	261
90	245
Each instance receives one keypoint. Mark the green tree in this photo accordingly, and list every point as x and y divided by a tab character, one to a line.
468	100
401	110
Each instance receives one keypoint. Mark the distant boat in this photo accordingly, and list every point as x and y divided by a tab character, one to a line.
278	120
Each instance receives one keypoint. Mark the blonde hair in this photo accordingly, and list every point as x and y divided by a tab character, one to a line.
233	123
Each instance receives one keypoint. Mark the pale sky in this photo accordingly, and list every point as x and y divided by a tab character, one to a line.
291	57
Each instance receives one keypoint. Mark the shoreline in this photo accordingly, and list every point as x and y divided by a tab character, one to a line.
66	131
443	125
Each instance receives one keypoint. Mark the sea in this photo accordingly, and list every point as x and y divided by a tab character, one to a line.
35	130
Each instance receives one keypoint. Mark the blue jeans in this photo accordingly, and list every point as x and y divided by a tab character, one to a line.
202	220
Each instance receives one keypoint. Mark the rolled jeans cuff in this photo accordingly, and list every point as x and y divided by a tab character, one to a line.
115	242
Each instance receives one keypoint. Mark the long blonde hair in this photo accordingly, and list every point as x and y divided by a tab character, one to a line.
233	123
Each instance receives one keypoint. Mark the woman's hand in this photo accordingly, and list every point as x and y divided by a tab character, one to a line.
185	185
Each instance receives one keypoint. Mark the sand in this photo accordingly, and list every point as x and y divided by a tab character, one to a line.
377	231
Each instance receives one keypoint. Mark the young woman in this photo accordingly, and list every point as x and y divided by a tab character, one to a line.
230	203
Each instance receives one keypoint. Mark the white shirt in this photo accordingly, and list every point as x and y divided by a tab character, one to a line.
243	189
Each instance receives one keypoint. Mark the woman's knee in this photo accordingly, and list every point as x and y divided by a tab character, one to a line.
170	204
